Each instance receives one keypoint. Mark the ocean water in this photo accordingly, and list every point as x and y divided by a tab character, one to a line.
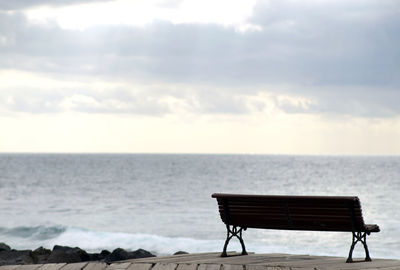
162	203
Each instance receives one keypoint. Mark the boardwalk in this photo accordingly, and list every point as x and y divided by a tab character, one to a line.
212	261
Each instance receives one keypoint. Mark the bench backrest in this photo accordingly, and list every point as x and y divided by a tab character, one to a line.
315	213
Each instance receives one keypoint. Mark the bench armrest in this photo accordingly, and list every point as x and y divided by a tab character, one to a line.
372	228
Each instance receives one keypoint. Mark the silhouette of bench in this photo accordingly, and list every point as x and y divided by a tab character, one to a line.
308	213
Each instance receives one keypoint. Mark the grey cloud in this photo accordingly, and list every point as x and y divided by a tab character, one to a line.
339	43
361	101
121	101
24	4
365	102
215	101
326	52
29	100
333	54
145	100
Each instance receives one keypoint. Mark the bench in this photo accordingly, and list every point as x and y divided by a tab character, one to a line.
308	213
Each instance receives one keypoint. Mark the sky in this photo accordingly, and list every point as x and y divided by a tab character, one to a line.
185	76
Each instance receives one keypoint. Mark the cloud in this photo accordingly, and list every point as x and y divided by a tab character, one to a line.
339	57
41	95
371	102
24	4
213	53
40	102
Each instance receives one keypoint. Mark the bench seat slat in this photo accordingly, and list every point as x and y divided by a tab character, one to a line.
293	212
279	197
320	223
293	207
308	203
333	228
265	218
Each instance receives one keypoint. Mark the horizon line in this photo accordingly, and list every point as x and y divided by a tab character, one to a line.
194	153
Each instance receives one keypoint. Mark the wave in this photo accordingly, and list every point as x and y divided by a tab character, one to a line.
37	232
95	241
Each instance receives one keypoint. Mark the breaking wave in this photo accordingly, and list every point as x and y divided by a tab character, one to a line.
95	241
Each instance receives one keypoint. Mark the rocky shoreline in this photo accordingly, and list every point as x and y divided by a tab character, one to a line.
64	254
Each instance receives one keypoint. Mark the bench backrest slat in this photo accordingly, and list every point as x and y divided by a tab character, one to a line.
319	213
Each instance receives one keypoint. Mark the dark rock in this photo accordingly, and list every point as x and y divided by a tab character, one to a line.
94	257
104	254
40	255
62	254
42	251
16	257
180	252
140	253
4	247
99	256
120	254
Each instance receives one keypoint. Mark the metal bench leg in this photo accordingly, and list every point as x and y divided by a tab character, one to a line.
359	237
231	233
244	252
228	238
364	241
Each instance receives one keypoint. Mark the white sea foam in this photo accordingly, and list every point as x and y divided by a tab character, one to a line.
95	241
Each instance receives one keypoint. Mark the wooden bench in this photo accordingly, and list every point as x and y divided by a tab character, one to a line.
308	213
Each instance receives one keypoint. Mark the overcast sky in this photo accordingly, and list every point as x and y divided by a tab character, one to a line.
175	76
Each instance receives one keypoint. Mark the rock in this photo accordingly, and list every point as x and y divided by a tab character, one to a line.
4	247
104	254
62	254
140	253
16	257
120	254
40	255
42	251
180	252
99	256
94	257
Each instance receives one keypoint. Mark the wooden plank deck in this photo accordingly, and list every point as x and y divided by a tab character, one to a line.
212	261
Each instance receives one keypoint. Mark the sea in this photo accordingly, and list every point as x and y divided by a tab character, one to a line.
162	202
